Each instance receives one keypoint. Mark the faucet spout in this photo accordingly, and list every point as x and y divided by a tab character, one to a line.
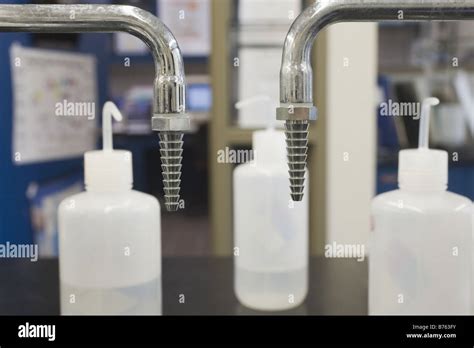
296	92
169	109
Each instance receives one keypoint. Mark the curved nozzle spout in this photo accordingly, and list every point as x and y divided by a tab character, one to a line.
109	111
169	84
423	137
296	94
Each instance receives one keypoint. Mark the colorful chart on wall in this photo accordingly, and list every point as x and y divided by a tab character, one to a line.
189	20
54	104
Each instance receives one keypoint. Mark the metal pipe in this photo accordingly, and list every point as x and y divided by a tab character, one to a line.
169	117
296	92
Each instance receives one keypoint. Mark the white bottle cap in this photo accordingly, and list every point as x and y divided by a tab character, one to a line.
108	168
269	146
423	167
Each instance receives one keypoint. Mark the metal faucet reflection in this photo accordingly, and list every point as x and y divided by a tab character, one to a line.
296	85
169	109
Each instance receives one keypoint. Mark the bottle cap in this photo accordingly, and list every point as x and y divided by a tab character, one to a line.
108	168
269	146
423	167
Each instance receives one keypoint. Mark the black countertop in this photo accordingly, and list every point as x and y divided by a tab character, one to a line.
336	287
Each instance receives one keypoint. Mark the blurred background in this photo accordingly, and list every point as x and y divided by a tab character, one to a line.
232	51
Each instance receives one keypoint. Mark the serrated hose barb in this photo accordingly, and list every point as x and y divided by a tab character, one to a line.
297	147
171	150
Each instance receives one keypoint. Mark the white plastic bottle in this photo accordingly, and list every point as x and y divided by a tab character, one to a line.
419	258
110	238
270	230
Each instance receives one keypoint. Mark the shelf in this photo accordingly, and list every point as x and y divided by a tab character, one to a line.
398	24
148	59
410	69
144	57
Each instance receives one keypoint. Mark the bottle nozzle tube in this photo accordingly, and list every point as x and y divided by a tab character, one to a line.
108	111
423	138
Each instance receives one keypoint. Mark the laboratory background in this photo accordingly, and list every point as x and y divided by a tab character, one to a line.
366	78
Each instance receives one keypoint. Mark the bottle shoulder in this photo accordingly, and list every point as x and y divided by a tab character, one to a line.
123	200
421	201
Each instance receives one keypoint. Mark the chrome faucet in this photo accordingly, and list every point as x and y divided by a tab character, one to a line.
169	107
296	89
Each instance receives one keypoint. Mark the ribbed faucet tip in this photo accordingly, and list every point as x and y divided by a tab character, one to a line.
171	150
296	197
296	132
172	206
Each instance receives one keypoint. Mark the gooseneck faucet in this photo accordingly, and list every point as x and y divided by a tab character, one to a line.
169	110
296	89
